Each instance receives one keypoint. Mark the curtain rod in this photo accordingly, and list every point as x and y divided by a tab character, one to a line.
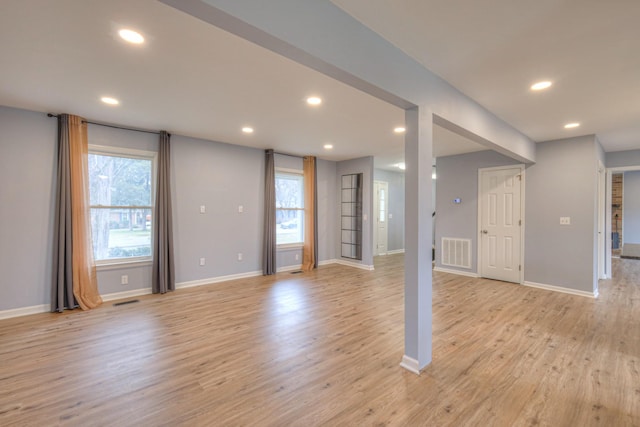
114	126
287	154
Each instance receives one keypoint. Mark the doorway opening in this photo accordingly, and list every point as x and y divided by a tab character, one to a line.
381	209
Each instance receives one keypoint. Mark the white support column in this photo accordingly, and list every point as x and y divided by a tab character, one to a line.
418	209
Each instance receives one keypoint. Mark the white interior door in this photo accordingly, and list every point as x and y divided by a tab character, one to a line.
381	202
500	220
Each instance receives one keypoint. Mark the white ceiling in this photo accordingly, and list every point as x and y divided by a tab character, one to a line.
189	78
494	50
196	80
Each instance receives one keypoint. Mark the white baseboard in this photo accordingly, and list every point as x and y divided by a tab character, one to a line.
458	272
218	279
395	251
24	311
410	364
562	289
354	264
45	308
327	262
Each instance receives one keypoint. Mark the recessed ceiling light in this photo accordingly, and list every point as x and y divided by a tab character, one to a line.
247	129
131	36
541	85
109	100
399	129
571	125
328	146
401	166
314	100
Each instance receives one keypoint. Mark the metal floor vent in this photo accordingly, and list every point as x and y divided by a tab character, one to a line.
456	252
125	302
296	272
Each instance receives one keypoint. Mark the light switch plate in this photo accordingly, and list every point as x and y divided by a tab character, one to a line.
565	220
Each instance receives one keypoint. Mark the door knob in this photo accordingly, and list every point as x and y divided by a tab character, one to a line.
485	232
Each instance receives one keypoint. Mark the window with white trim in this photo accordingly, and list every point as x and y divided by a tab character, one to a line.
289	208
121	197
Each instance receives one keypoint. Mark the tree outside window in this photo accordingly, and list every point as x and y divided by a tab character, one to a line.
289	208
121	203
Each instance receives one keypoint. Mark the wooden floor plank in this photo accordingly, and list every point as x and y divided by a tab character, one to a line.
323	348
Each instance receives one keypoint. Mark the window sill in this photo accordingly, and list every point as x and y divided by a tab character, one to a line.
117	265
290	247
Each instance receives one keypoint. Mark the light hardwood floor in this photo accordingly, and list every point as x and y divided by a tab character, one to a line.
323	348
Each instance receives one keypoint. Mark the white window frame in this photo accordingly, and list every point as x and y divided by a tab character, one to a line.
285	171
130	153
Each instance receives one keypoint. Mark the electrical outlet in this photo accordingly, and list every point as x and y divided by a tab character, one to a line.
124	279
239	256
565	220
203	209
240	209
297	257
201	261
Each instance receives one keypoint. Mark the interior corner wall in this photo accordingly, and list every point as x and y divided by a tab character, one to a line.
562	183
363	165
631	207
28	164
457	178
395	224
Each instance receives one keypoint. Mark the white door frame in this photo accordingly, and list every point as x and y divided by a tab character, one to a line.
376	209
601	218
610	171
522	215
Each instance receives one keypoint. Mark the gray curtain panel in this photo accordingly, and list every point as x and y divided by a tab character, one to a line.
269	240
163	262
62	281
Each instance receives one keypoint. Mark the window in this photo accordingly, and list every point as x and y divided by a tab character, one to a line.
121	196
289	208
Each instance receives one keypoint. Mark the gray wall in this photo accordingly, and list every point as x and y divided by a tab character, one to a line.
28	160
631	207
563	182
362	165
327	207
395	225
623	158
458	178
219	176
